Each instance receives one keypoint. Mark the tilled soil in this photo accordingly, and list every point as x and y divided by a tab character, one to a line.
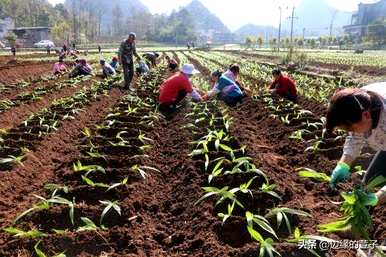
20	72
159	217
16	115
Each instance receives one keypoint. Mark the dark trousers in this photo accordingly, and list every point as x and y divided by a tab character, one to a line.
232	101
377	167
171	107
128	73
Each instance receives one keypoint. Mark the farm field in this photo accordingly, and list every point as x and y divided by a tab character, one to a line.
88	169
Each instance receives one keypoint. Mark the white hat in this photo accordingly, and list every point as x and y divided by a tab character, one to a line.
189	69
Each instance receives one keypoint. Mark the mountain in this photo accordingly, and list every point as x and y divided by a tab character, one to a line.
111	11
256	31
316	17
207	23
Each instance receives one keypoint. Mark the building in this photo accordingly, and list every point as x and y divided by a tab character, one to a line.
367	15
27	36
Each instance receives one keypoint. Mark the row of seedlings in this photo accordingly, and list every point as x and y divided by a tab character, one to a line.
87	197
16	142
245	200
38	92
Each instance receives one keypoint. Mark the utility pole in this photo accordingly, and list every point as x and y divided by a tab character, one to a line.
332	22
279	37
292	23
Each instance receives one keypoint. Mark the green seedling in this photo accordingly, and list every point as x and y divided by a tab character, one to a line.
40	253
15	232
269	189
262	222
141	170
13	159
54	188
223	193
356	216
109	205
266	245
42	205
224	216
318	176
63	201
78	167
282	213
93	184
122	183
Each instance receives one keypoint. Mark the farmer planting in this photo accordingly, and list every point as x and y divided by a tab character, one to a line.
174	89
227	89
107	70
59	67
283	86
362	113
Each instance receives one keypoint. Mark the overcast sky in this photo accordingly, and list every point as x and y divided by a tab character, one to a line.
237	13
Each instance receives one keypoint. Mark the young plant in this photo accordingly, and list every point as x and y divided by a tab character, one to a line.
262	222
224	216
40	253
42	205
312	174
266	245
63	201
13	159
15	232
79	167
282	213
141	170
109	205
269	189
223	193
356	216
93	184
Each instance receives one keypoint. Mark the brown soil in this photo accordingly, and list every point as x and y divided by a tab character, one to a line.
14	116
13	92
41	165
20	72
159	217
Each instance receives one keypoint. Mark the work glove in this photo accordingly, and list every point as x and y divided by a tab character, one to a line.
371	200
340	173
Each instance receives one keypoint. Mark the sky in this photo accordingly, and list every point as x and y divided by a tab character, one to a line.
259	12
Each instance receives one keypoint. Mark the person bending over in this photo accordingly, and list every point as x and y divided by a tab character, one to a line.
362	113
227	89
283	86
174	89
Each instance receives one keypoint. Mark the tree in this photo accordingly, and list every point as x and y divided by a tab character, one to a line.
61	31
11	38
250	42
260	41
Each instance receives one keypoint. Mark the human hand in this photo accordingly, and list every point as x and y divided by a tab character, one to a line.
339	174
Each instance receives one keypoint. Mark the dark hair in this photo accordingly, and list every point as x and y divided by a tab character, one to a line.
102	61
156	55
217	73
235	68
347	105
276	72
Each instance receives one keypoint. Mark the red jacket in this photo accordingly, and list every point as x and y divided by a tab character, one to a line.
284	86
172	86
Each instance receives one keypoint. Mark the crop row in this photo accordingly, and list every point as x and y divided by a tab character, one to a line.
18	141
111	159
38	92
